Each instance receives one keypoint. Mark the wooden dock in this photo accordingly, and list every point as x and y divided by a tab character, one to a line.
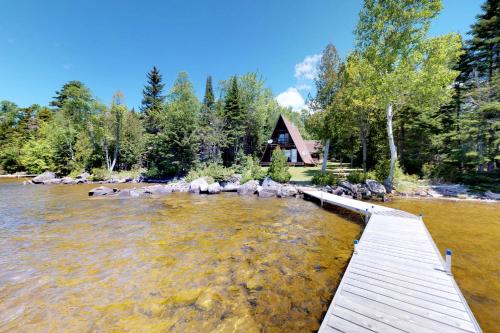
396	279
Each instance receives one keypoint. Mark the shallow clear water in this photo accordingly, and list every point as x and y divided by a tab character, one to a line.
182	263
471	230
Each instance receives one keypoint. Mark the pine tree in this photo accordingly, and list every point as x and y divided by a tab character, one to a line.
210	129
484	45
209	99
152	101
234	118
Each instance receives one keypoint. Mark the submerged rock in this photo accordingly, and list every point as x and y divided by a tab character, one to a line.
157	189
102	190
52	181
214	188
248	188
266	193
42	178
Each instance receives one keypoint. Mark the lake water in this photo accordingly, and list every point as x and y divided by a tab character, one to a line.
472	231
188	263
182	263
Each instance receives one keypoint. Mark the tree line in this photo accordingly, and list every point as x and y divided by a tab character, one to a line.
404	100
400	101
171	134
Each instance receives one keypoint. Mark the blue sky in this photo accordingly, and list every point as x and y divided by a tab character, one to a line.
110	45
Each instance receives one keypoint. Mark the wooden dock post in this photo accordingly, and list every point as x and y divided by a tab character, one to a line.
448	262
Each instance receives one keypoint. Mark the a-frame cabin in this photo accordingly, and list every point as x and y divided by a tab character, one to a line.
288	138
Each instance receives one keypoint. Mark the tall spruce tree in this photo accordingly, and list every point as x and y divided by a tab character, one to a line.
210	129
152	101
234	119
484	45
209	99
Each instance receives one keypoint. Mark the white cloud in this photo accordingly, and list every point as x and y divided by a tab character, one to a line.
308	68
303	86
291	98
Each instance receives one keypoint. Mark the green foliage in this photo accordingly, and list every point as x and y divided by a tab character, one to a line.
381	171
173	150
99	174
234	118
356	177
215	172
278	170
37	156
152	100
250	170
324	178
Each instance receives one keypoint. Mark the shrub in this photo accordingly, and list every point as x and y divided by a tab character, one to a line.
278	170
324	179
251	169
356	177
99	174
214	172
381	170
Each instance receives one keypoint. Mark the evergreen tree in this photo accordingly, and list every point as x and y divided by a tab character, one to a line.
484	46
234	119
210	127
209	99
278	170
152	101
174	149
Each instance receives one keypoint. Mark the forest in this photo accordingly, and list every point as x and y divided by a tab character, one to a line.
400	102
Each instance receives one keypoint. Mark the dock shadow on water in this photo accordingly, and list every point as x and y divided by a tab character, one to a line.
182	263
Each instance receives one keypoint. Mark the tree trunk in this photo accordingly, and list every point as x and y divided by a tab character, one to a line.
364	144
325	155
392	147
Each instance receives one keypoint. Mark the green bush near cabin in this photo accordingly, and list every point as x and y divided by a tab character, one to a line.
278	170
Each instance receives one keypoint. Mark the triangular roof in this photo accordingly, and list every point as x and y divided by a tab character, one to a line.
297	140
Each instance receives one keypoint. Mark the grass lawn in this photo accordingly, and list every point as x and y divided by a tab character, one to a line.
303	175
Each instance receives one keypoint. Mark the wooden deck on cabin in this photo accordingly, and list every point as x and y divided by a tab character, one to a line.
396	282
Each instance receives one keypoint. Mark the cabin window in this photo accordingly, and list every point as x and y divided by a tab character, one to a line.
283	138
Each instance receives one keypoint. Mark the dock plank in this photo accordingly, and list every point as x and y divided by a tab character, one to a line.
395	282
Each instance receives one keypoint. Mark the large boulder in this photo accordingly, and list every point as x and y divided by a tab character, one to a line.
214	188
40	179
199	185
375	187
227	186
286	191
67	180
248	188
270	185
82	178
102	190
348	187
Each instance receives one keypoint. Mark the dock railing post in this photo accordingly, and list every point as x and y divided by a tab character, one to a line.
321	199
356	246
447	264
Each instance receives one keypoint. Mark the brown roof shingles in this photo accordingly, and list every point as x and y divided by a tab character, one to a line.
299	142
